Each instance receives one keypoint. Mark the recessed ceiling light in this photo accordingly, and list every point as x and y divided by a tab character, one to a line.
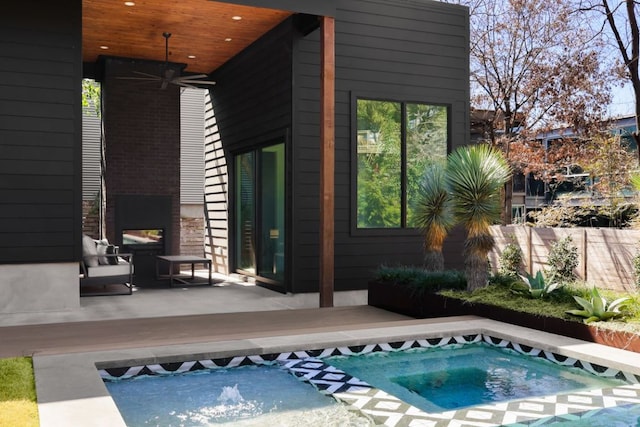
228	39
104	47
191	56
236	18
129	3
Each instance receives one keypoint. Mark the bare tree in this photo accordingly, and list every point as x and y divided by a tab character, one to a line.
620	18
535	65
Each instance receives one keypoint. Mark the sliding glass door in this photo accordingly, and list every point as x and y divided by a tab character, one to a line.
260	213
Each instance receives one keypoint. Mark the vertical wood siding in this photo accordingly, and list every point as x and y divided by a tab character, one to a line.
40	131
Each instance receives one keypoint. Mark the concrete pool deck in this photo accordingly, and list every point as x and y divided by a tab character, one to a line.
71	392
161	325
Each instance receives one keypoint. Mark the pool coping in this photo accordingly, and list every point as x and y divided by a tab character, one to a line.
71	392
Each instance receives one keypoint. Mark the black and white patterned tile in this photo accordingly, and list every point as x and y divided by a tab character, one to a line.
388	410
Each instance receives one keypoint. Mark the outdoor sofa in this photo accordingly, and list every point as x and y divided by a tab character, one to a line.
104	271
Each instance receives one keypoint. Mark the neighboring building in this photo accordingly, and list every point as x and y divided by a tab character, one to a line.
267	121
576	189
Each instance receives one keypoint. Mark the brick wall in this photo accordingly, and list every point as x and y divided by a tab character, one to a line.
142	140
192	236
90	219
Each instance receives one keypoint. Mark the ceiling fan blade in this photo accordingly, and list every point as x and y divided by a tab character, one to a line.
200	82
149	79
146	74
183	84
194	76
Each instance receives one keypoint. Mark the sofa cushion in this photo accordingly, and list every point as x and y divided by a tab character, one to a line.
123	268
89	251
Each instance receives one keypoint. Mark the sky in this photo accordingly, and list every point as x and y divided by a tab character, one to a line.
622	104
623	101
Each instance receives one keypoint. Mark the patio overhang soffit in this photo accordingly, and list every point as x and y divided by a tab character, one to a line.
204	34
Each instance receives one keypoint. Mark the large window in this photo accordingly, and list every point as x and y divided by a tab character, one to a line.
396	141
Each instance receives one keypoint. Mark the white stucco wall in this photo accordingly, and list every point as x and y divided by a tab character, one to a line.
27	288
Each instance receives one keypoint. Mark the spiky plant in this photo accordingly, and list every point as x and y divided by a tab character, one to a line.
475	175
434	215
598	308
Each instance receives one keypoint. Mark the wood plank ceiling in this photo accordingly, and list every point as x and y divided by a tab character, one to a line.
204	34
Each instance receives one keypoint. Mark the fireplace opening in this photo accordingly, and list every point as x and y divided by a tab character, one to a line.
145	245
143	239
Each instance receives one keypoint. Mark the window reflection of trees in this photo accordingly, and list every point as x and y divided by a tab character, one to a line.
392	156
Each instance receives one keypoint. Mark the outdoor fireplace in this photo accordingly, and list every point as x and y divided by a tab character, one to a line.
143	228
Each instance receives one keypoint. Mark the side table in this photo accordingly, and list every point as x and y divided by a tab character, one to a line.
177	260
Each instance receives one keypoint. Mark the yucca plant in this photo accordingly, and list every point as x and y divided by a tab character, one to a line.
433	215
597	308
475	175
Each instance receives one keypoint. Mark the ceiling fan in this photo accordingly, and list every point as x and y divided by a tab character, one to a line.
168	74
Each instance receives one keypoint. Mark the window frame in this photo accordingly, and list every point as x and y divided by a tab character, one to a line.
403	230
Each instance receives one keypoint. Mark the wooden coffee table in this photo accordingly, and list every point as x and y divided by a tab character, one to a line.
177	260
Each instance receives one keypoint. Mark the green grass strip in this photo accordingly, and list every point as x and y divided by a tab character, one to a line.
18	406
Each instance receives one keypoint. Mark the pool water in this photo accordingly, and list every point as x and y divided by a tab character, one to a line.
620	416
256	395
437	380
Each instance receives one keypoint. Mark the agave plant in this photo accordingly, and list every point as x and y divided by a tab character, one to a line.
434	215
475	175
597	308
536	286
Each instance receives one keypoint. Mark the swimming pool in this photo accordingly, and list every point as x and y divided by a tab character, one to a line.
251	395
454	377
384	408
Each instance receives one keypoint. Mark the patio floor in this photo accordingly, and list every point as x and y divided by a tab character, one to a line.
162	316
232	318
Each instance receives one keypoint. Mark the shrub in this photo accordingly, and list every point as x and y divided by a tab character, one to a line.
421	279
510	260
563	259
636	269
503	280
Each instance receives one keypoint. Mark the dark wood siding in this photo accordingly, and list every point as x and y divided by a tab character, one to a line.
40	131
397	49
316	7
251	106
252	96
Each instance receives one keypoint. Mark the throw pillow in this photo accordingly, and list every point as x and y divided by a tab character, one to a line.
101	247
89	251
111	249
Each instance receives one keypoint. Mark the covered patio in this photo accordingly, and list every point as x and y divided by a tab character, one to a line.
281	134
191	44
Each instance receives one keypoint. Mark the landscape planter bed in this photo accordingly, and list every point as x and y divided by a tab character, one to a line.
404	300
